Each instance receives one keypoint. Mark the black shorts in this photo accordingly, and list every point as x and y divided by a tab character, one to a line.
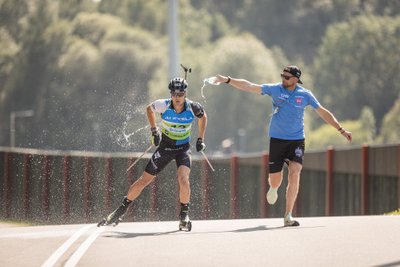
280	151
164	155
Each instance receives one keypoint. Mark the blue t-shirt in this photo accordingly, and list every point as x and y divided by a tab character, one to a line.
287	120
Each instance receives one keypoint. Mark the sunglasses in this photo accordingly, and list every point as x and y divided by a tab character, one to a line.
177	94
286	77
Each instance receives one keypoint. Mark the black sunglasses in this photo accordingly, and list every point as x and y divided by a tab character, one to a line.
286	77
177	94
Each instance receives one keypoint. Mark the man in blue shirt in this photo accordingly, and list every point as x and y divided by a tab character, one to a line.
286	130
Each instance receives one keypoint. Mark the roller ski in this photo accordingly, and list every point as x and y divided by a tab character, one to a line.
185	224
116	216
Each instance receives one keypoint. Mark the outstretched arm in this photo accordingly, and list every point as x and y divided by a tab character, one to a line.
240	84
328	117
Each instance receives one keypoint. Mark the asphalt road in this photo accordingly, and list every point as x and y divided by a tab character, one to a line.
319	241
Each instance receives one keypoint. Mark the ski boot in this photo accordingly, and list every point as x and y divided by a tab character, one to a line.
185	224
116	216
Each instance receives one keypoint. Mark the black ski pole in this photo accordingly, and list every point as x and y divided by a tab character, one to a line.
186	70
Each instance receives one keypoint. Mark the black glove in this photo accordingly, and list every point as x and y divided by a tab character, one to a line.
155	136
200	146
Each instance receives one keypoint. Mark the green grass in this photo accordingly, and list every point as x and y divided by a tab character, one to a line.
396	212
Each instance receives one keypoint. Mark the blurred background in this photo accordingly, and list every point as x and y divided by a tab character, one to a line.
78	74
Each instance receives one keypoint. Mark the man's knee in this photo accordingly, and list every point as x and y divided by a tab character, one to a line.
295	168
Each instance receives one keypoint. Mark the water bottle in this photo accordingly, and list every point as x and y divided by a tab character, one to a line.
212	80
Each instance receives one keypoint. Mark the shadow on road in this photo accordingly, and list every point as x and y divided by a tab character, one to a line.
117	234
132	235
390	264
262	228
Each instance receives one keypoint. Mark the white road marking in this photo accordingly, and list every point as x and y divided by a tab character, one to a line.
61	250
39	234
74	259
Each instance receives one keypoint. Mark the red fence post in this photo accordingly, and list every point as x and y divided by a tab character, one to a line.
364	190
329	200
7	184
233	207
67	186
264	172
108	178
27	184
46	186
204	185
87	176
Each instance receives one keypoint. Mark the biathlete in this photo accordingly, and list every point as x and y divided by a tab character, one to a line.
177	115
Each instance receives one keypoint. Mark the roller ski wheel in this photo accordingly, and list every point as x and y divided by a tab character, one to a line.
185	225
104	222
114	218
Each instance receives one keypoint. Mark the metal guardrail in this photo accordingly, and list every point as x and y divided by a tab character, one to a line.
73	187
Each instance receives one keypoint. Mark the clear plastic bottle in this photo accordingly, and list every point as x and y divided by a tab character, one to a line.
212	80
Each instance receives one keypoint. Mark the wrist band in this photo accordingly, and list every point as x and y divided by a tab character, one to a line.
229	79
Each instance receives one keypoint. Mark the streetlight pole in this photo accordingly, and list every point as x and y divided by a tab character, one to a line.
173	34
13	116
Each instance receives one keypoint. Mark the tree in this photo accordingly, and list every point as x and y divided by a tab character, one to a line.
230	110
362	73
101	83
363	131
368	123
390	131
8	50
32	64
13	13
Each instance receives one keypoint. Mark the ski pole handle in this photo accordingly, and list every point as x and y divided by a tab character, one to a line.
137	160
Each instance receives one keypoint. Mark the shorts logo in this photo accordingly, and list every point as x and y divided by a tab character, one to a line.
299	152
157	155
154	164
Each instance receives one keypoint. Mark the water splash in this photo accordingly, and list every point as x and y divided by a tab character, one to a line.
131	134
209	80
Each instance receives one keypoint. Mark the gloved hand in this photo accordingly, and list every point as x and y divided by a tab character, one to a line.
200	146
155	136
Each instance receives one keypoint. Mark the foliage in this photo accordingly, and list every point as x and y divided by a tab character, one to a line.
390	131
88	68
8	50
12	15
363	132
326	135
363	73
395	212
228	108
